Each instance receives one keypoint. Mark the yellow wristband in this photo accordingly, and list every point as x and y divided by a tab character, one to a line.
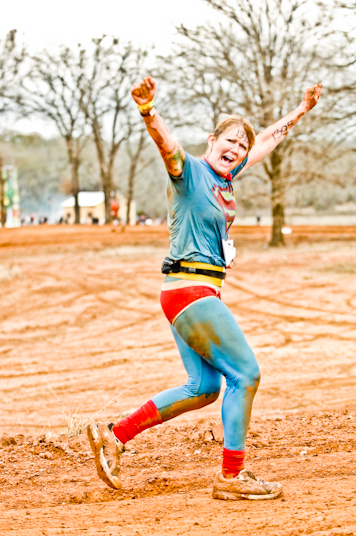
147	106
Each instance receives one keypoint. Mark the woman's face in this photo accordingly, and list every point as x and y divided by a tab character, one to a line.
228	150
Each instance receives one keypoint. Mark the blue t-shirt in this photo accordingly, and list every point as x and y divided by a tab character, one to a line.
201	209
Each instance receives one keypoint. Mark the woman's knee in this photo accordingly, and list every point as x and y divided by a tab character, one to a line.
254	380
205	387
213	395
252	374
247	376
196	397
208	397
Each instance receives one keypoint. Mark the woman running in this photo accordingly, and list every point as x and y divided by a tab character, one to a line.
201	210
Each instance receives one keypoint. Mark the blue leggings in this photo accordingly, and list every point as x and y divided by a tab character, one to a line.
212	344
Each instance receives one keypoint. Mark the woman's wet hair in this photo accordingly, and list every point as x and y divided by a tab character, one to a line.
232	120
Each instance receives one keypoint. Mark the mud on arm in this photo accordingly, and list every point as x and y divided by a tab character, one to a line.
171	151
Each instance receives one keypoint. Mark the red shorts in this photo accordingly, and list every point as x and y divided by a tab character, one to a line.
174	301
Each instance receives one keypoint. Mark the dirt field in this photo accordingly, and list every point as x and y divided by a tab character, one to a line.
81	323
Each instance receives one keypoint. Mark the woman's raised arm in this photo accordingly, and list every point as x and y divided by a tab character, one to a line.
172	153
268	139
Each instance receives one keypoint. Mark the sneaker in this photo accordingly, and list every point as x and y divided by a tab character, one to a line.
107	450
245	486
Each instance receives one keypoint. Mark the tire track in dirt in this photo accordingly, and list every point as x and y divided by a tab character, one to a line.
112	314
269	298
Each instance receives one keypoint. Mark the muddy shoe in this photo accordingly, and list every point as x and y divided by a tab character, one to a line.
107	451
245	486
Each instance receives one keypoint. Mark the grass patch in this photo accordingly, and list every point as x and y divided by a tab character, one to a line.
76	424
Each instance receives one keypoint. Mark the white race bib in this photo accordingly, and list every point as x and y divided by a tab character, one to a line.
229	252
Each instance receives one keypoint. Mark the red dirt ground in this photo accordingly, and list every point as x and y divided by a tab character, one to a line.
81	322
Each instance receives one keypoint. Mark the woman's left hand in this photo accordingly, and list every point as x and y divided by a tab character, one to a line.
311	97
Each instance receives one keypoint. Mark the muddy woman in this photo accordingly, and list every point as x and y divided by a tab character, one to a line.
201	210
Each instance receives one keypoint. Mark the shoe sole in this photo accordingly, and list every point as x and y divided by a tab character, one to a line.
228	496
102	468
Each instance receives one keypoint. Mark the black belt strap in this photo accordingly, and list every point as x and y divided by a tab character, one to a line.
210	273
173	267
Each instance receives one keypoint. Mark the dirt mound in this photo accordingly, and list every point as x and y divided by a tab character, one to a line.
169	470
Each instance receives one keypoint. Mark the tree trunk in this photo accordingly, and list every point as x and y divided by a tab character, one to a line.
2	196
74	161
75	189
107	181
133	169
277	198
130	190
106	169
278	223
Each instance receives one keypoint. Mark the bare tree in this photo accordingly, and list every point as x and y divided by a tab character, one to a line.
134	152
342	64
11	57
2	195
111	69
257	63
53	89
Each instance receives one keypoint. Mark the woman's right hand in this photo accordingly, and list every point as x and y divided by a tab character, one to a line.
144	91
172	153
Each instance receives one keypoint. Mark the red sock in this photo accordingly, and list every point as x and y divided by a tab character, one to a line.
145	417
233	462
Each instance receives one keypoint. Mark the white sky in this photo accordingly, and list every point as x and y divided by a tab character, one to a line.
42	23
72	21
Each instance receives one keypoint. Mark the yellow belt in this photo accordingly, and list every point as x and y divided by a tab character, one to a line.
198	277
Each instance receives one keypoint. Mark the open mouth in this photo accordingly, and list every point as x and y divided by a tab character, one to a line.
227	159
